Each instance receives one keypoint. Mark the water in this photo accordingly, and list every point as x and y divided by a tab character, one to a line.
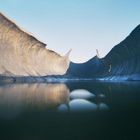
75	110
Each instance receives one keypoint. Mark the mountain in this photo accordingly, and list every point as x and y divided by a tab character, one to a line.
21	54
84	70
121	63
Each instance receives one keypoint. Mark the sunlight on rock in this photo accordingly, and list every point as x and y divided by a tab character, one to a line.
31	57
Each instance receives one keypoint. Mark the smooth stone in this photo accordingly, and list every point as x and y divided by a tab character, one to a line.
103	106
62	108
81	105
81	94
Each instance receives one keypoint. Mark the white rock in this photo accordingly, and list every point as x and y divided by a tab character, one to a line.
81	105
81	94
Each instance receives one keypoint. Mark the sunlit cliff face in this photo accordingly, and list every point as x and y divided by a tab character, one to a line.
23	55
56	63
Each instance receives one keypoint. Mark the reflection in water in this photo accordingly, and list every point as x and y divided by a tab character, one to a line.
49	95
79	105
49	111
17	98
103	106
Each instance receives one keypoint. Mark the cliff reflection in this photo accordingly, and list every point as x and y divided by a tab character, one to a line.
41	95
17	98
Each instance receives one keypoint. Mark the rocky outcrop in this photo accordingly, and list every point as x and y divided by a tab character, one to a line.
21	54
121	63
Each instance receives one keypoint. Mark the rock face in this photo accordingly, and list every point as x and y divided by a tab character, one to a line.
121	63
84	70
21	54
124	58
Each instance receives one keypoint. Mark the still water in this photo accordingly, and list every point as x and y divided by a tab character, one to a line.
75	110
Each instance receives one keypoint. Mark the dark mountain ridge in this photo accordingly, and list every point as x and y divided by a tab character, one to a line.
122	62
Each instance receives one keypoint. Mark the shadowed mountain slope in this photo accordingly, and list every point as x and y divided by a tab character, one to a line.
122	62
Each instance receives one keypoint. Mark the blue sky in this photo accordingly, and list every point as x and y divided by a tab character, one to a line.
83	25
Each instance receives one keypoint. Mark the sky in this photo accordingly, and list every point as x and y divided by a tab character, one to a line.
80	25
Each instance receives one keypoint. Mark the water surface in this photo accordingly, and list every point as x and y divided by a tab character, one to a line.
74	110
